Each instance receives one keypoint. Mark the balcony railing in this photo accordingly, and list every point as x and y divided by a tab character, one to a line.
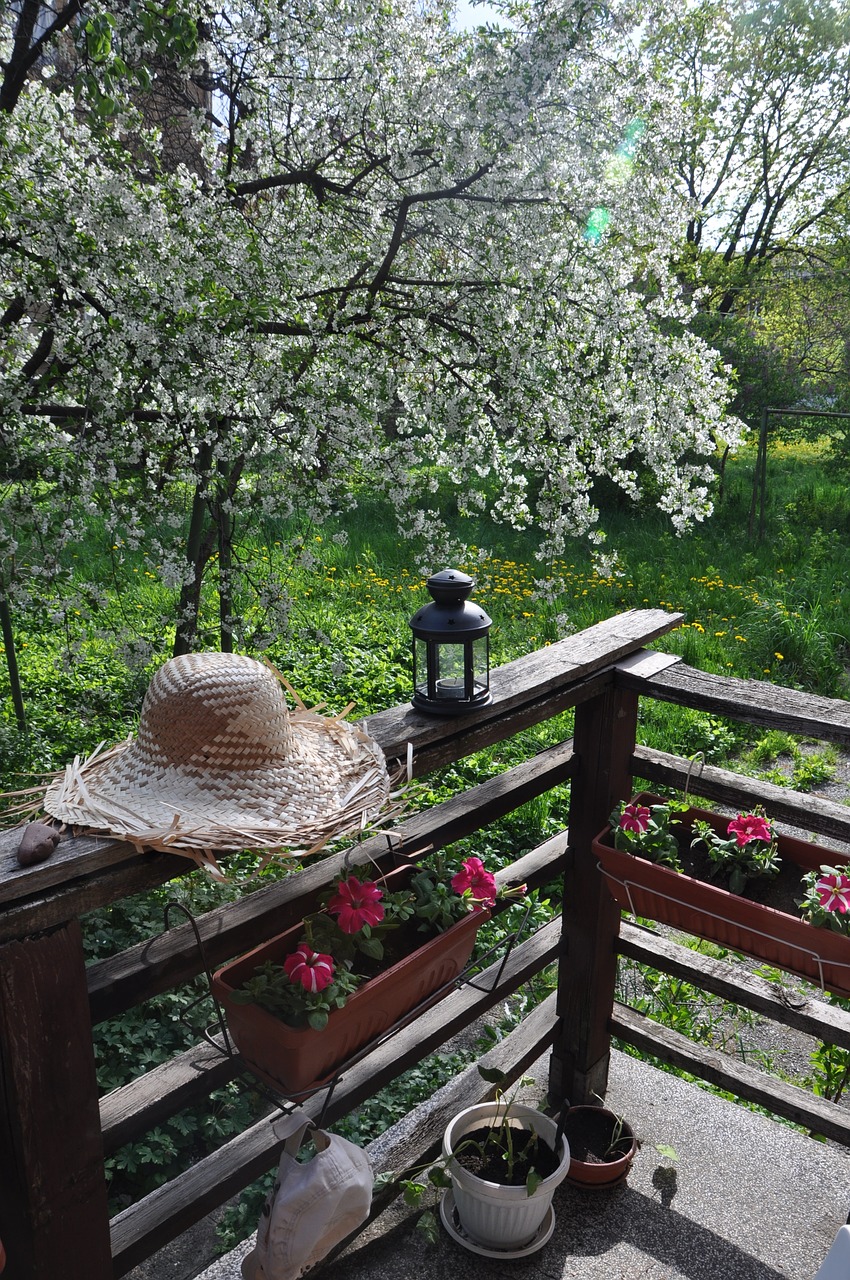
55	1130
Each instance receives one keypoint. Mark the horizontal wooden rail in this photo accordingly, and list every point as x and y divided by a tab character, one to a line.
748	701
734	983
799	1105
525	692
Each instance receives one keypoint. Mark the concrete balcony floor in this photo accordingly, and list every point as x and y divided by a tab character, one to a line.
749	1198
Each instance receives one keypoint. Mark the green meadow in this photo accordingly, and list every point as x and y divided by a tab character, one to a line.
773	608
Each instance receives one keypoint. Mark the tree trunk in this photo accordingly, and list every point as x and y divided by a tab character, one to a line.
230	475
12	660
225	571
199	544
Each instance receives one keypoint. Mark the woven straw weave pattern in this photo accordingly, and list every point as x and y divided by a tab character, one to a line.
214	717
220	762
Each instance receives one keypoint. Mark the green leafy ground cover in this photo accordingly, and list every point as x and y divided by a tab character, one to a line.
772	609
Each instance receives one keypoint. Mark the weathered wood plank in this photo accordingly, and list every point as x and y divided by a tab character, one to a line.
159	1093
647	662
805	812
750	701
734	983
90	852
816	1114
148	1100
73	899
53	1203
171	1209
165	961
604	743
477	737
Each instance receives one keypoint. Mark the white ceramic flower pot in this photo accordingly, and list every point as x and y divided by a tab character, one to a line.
494	1215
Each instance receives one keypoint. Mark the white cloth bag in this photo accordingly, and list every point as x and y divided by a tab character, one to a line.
312	1206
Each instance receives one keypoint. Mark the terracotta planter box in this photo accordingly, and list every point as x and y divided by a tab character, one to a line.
756	928
294	1060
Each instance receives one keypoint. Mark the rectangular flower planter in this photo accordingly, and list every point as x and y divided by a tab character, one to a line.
295	1060
709	911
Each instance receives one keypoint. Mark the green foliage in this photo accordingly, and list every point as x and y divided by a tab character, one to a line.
679	1005
742	855
764	373
649	830
779	758
799	638
830	1071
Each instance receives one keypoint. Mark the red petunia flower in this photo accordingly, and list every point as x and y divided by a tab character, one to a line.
473	875
635	818
313	970
355	904
834	892
750	826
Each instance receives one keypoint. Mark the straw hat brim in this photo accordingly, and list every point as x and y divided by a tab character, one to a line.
334	783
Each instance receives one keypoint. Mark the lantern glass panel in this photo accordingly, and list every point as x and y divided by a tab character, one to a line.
451	671
420	658
481	664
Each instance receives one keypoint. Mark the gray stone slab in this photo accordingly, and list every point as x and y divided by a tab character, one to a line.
749	1198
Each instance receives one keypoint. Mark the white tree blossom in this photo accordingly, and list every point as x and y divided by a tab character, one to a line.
329	243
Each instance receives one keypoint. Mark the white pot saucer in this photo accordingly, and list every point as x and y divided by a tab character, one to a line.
450	1220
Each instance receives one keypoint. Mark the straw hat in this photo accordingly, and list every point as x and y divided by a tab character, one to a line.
220	762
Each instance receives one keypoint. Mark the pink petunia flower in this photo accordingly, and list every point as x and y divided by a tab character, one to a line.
834	892
313	970
355	904
750	826
473	875
635	818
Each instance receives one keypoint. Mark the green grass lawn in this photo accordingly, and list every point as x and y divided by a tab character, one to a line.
772	609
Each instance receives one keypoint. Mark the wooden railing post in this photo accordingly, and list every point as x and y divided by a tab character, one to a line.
604	742
53	1205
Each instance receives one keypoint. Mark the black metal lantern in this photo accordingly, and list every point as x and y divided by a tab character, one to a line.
451	648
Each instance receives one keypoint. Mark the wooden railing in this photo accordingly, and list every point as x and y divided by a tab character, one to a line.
55	1130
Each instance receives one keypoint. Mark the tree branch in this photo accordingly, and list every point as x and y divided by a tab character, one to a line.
319	185
422	197
26	51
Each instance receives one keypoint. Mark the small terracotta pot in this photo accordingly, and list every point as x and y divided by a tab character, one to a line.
610	1140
